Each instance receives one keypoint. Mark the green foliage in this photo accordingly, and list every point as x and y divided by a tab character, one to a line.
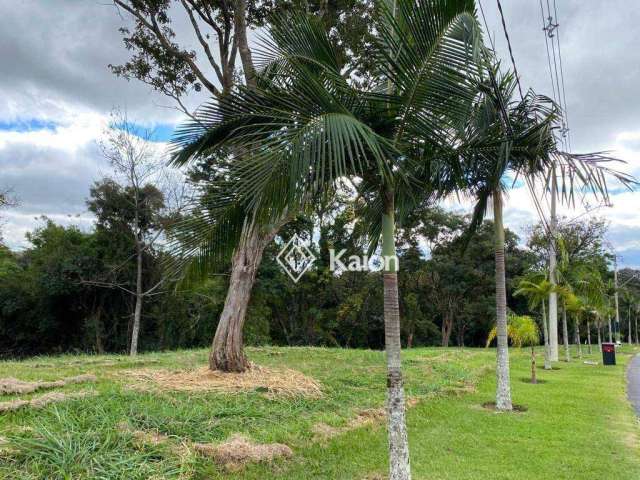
522	330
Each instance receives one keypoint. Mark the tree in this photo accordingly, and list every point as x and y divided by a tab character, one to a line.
176	71
521	134
136	208
522	331
537	289
308	125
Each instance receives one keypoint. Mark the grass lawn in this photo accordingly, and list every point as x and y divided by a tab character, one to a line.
578	424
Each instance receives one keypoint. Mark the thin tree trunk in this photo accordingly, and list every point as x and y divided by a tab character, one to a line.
553	296
637	340
610	332
227	349
503	385
565	333
578	341
98	327
630	331
545	333
589	336
137	313
534	378
599	337
399	467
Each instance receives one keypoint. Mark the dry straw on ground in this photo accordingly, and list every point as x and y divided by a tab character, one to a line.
11	385
238	450
233	454
44	400
281	382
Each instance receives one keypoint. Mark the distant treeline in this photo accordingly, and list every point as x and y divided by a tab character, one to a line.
71	290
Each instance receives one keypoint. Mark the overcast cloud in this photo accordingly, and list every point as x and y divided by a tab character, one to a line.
56	93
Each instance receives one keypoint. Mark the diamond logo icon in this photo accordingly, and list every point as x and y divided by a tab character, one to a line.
295	258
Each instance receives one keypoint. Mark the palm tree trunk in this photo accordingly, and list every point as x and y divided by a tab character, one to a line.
227	349
637	340
610	333
503	387
399	468
589	336
578	340
545	333
565	333
599	337
553	296
630	331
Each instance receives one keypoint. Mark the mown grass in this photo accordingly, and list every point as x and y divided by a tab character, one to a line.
578	423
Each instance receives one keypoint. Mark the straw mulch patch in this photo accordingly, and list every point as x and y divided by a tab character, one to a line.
11	385
281	382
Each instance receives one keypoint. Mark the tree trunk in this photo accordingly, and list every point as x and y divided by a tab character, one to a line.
589	336
545	333
137	313
610	332
599	337
630	331
447	326
399	468
98	327
637	340
553	296
578	341
565	333
503	387
227	350
534	378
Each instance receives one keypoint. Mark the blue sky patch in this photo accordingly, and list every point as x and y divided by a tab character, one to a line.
30	125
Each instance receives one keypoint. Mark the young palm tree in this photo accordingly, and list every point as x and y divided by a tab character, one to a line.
522	331
537	292
308	125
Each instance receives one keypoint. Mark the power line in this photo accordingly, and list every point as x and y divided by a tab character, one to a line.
564	93
528	181
513	62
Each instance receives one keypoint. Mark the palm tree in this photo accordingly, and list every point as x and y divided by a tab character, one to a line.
522	331
509	138
537	290
308	126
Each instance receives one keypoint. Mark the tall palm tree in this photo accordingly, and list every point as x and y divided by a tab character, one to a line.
507	139
308	125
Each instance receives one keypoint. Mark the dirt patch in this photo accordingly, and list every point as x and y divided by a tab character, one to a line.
43	400
11	385
238	451
516	408
273	382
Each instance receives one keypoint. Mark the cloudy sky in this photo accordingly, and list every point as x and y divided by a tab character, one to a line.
56	94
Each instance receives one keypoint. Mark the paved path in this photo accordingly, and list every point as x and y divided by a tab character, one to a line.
633	383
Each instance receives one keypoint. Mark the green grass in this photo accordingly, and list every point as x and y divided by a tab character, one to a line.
578	424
